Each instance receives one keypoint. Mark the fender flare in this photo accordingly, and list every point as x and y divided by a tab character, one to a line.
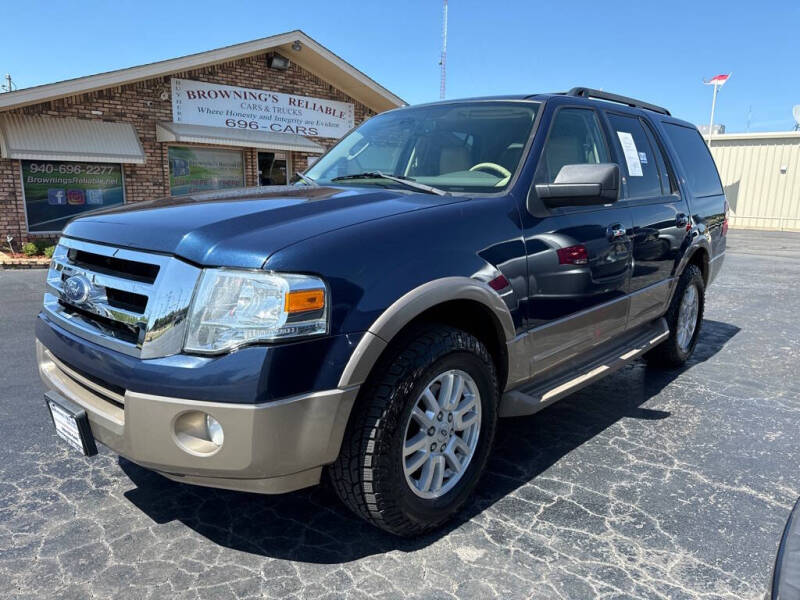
700	243
411	305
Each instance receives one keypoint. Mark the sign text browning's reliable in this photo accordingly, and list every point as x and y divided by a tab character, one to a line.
199	103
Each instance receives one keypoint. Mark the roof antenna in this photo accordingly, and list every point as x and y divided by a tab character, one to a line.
443	59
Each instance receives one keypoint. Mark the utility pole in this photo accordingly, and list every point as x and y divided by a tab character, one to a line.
443	59
9	85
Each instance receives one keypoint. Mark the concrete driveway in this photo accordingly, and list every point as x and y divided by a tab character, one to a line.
649	484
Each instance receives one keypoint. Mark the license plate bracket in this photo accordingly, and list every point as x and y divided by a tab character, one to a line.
71	423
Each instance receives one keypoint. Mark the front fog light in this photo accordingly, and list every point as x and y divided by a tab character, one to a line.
214	430
198	433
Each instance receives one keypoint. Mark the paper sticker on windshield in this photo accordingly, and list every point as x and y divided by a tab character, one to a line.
643	157
631	154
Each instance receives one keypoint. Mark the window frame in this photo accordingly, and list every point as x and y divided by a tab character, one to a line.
672	179
191	146
603	128
540	110
684	170
627	198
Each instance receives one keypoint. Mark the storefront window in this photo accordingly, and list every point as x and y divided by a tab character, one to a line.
56	191
203	169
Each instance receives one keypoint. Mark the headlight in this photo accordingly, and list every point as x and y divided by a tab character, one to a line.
235	307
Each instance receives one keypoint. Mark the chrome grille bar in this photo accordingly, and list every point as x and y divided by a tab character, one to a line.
157	330
61	264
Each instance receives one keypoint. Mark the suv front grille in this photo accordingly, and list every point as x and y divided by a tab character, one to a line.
126	300
107	326
109	265
128	292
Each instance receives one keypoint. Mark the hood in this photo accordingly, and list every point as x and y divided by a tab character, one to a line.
242	228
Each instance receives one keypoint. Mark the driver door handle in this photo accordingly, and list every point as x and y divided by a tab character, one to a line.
616	232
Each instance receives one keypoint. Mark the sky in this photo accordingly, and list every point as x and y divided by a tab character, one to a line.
659	52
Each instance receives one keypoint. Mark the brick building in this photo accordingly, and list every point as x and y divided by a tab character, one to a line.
250	114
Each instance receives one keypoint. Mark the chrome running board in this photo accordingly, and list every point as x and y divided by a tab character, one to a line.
533	397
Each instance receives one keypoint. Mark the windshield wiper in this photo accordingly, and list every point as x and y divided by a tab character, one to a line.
406	181
306	179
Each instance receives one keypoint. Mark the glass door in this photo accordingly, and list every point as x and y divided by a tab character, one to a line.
273	168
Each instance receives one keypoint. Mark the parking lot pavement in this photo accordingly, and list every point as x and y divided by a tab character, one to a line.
648	484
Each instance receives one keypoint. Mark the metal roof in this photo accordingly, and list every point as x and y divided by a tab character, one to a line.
45	138
249	138
763	135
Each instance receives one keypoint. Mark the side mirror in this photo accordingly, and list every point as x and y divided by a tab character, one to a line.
581	185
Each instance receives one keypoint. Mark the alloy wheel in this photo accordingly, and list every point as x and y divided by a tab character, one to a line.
441	434
687	317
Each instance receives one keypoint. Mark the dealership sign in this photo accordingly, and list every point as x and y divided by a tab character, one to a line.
199	103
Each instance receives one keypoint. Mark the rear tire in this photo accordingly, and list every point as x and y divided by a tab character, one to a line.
685	318
376	475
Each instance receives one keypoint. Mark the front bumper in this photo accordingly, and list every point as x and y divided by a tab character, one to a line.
272	447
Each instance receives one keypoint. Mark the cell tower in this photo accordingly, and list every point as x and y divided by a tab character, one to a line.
443	59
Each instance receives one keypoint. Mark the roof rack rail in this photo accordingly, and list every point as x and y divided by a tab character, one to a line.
584	92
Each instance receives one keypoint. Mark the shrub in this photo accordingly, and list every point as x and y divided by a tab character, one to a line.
30	249
48	252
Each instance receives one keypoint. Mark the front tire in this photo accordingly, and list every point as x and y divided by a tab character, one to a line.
684	317
422	432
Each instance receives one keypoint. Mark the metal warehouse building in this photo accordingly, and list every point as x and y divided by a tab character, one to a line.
249	114
761	176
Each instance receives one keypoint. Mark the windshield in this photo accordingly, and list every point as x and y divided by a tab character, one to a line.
473	147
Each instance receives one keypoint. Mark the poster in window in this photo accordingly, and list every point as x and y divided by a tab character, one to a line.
203	169
56	191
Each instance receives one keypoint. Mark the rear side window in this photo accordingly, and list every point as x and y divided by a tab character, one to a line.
575	138
668	185
701	172
639	158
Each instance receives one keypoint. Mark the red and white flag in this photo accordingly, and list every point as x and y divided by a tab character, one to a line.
718	80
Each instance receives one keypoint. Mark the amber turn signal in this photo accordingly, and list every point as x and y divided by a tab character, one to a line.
305	300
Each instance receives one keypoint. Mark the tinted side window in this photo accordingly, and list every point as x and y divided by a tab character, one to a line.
575	138
640	163
701	172
668	184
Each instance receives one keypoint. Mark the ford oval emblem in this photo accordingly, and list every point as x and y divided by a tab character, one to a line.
77	289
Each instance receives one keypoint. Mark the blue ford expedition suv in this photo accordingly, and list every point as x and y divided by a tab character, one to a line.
442	266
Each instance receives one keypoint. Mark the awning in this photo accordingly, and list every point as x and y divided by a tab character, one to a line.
46	138
248	138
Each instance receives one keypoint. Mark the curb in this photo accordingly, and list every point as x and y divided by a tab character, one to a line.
6	262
